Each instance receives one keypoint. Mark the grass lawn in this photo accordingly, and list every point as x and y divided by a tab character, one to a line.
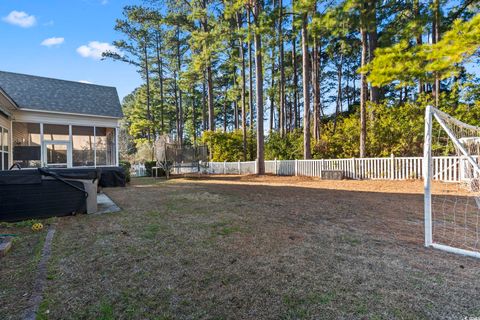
18	267
246	248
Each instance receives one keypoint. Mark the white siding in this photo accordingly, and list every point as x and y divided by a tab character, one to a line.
59	118
4	122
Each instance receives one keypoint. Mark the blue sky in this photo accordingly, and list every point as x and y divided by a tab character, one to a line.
86	27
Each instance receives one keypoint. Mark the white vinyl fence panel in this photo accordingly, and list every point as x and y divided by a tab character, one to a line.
248	167
390	168
185	168
138	170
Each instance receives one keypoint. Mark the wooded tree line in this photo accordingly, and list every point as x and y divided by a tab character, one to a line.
313	71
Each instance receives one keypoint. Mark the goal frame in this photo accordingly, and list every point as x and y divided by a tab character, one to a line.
432	113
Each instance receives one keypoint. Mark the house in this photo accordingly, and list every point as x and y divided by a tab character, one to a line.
48	122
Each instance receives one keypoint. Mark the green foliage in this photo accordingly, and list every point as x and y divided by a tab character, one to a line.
160	172
126	166
340	140
397	130
391	129
148	167
189	49
145	151
228	146
288	147
404	63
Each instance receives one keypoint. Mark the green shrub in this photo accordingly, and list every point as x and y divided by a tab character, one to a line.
148	168
288	147
126	166
228	146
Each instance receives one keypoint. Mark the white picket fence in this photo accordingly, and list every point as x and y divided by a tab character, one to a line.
390	168
138	170
248	167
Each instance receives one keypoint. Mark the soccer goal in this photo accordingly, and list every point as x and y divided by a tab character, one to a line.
452	210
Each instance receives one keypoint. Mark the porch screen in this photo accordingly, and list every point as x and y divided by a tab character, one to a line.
105	143
83	139
26	144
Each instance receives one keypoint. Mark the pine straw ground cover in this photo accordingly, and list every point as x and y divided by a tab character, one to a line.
256	248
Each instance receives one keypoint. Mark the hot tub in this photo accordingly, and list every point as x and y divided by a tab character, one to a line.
41	193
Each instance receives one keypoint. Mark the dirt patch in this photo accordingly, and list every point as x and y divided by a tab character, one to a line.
257	248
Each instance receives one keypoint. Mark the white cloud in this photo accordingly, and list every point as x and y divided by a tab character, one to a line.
20	18
104	2
54	41
94	49
85	81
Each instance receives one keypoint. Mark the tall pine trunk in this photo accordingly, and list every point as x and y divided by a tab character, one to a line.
373	43
244	116
316	89
416	11
296	113
307	154
194	117
250	77
272	94
160	80
363	95
235	105
259	89
225	111
435	39
204	103
147	80
338	108
282	109
177	105
211	107
180	103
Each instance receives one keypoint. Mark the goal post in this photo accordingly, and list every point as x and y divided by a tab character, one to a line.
427	176
452	223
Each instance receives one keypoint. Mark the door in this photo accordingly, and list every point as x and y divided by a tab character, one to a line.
57	154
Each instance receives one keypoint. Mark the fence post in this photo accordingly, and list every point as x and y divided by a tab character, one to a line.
296	167
256	166
276	171
322	162
354	169
239	167
225	167
392	167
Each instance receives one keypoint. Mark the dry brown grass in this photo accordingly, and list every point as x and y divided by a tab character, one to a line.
18	268
257	248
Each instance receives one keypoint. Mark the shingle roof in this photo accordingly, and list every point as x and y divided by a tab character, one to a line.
47	94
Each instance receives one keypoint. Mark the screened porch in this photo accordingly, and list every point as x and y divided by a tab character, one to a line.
63	146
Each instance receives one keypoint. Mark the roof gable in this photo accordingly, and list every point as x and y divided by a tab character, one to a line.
47	94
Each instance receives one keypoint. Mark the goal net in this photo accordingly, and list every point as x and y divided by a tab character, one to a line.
452	184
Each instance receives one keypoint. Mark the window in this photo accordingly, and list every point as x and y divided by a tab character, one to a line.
56	132
83	146
4	165
26	144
